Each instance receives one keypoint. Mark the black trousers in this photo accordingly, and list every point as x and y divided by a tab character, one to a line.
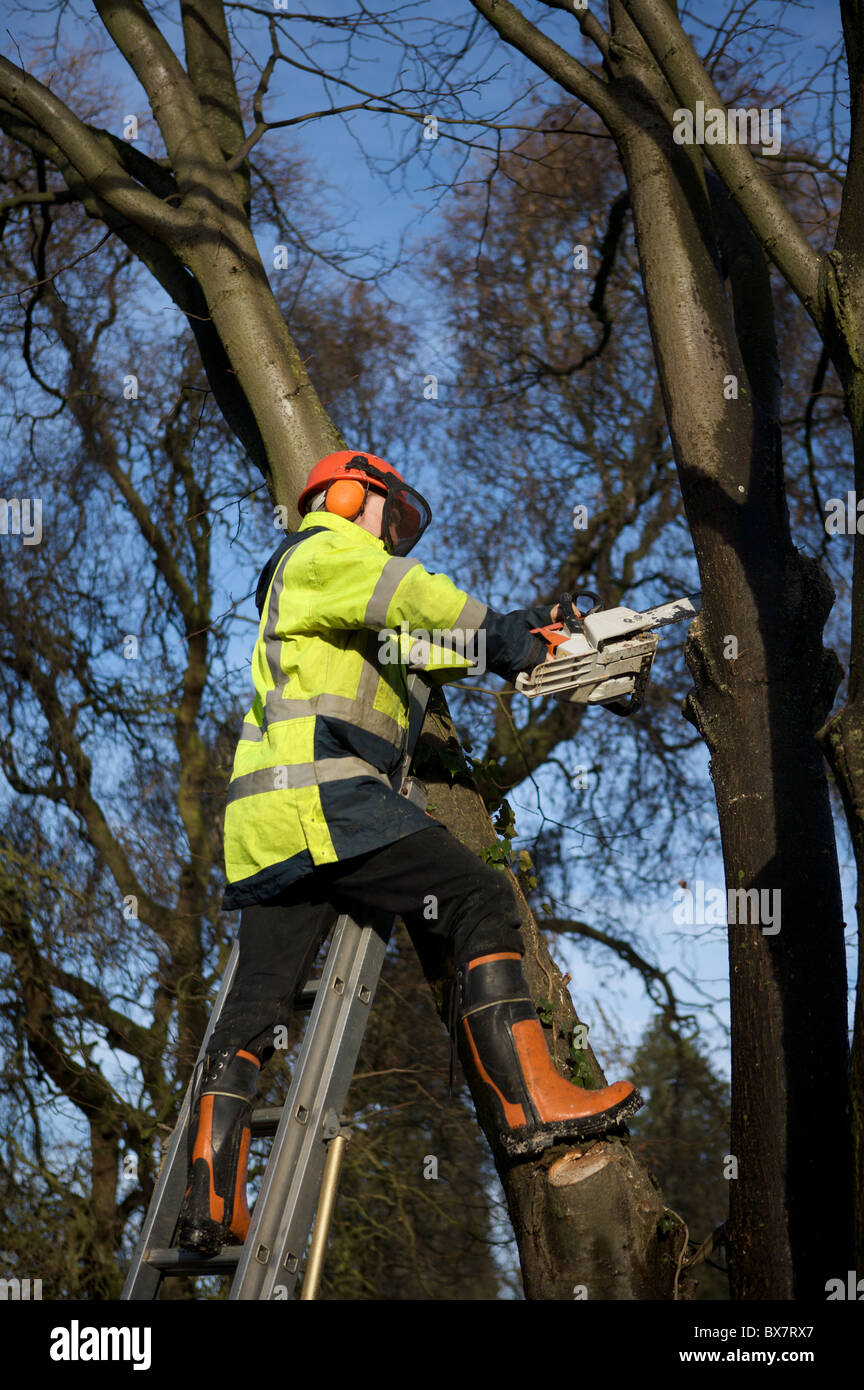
430	879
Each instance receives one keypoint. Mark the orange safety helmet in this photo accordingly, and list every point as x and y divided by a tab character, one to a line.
348	476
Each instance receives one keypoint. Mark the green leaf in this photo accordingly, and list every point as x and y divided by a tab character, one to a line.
581	1070
505	821
544	1009
494	854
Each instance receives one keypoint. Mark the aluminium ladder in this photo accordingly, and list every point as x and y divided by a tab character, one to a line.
268	1264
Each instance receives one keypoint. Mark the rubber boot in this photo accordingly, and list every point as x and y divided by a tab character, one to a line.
214	1211
536	1107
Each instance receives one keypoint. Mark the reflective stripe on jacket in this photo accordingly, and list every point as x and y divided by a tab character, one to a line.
310	783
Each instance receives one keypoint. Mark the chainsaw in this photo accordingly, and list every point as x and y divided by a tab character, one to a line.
601	656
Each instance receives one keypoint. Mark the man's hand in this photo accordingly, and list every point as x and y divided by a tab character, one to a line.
554	617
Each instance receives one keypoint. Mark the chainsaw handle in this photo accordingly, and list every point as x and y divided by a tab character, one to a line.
571	615
553	634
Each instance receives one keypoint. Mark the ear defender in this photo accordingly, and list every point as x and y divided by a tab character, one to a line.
345	498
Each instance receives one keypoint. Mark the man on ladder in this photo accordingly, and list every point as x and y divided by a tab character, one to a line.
313	825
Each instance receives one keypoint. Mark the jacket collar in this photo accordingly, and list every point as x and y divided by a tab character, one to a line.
341	525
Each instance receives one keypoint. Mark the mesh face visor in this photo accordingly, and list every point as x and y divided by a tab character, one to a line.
406	513
406	516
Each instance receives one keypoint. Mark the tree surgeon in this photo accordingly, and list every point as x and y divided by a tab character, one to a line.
313	826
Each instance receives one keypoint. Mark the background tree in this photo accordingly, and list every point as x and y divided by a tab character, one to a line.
681	1131
710	308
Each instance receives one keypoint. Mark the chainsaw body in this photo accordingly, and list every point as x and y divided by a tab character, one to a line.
603	658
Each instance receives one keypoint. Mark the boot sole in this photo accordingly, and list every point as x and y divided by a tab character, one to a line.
201	1240
524	1140
205	1238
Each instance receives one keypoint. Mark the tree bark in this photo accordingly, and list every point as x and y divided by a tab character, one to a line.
589	1219
842	741
756	705
831	289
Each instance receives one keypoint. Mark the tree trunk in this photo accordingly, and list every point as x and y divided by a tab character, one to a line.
294	426
831	289
762	685
759	702
589	1219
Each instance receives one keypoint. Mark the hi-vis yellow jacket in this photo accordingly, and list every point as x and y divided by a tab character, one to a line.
310	783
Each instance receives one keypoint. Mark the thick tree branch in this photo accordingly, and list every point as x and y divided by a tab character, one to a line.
849	227
211	70
554	60
193	150
208	59
752	297
183	288
97	165
773	223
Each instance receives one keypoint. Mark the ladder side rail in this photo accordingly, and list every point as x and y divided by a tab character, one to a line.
285	1207
142	1281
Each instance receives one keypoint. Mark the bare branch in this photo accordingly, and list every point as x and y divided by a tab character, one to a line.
588	23
47	279
651	974
194	151
51	195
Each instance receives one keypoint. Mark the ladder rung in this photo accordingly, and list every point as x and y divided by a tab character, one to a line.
266	1120
176	1261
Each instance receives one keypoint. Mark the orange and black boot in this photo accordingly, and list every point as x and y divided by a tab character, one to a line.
536	1107
214	1211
